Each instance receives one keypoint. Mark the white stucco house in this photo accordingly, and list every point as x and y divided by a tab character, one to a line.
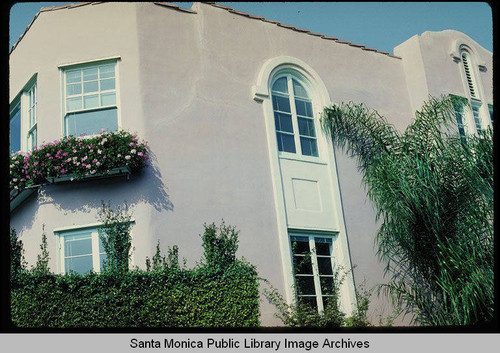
229	105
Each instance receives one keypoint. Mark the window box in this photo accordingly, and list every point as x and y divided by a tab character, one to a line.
18	196
115	172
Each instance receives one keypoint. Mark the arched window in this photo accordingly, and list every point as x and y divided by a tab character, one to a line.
305	183
293	115
475	99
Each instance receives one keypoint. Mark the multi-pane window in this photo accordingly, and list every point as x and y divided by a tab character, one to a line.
90	99
313	269
81	251
15	128
32	117
23	119
293	117
474	118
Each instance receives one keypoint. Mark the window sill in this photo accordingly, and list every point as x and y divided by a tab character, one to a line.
300	158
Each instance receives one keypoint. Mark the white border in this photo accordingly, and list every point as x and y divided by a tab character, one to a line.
321	98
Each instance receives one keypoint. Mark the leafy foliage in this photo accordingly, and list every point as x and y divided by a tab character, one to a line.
78	156
434	194
114	234
220	245
302	314
167	296
17	262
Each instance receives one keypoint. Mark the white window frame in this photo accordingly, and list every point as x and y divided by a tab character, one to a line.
32	120
311	236
28	109
291	75
476	116
89	64
261	92
63	233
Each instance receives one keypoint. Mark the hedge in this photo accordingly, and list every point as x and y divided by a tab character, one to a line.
200	297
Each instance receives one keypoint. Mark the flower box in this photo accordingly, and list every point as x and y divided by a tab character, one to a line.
115	172
18	196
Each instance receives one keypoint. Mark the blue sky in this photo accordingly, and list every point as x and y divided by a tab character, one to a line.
379	25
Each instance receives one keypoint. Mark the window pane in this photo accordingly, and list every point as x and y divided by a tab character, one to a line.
460	124
323	246
300	245
299	90
283	122
74	103
73	89
327	285
305	285
91	86
302	265
286	143
280	85
82	246
15	130
303	107
107	84
91	101
306	127
106	71
73	76
78	264
108	99
325	265
308	146
32	140
281	103
91	122
90	74
308	301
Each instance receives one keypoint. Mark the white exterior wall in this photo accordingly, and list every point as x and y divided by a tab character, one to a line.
185	83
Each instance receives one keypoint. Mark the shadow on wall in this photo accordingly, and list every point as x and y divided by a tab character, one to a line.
87	195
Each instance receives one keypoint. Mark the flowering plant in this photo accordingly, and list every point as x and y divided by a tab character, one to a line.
78	157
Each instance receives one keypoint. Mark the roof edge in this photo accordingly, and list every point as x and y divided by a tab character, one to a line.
305	31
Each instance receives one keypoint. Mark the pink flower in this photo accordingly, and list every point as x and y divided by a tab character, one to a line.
63	171
127	157
133	151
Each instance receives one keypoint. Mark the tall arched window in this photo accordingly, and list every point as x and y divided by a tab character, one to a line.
293	116
475	99
305	183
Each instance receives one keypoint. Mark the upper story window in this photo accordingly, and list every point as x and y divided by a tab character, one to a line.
23	119
476	116
293	116
90	98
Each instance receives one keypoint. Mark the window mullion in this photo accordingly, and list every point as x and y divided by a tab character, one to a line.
293	111
317	284
95	252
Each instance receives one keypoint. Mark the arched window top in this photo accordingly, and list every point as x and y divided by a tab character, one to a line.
469	74
280	85
304	75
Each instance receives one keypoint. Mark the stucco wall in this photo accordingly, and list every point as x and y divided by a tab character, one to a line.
432	71
185	83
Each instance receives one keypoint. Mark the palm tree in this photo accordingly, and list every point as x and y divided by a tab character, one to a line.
433	191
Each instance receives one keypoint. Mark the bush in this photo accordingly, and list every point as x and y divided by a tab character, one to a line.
167	296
